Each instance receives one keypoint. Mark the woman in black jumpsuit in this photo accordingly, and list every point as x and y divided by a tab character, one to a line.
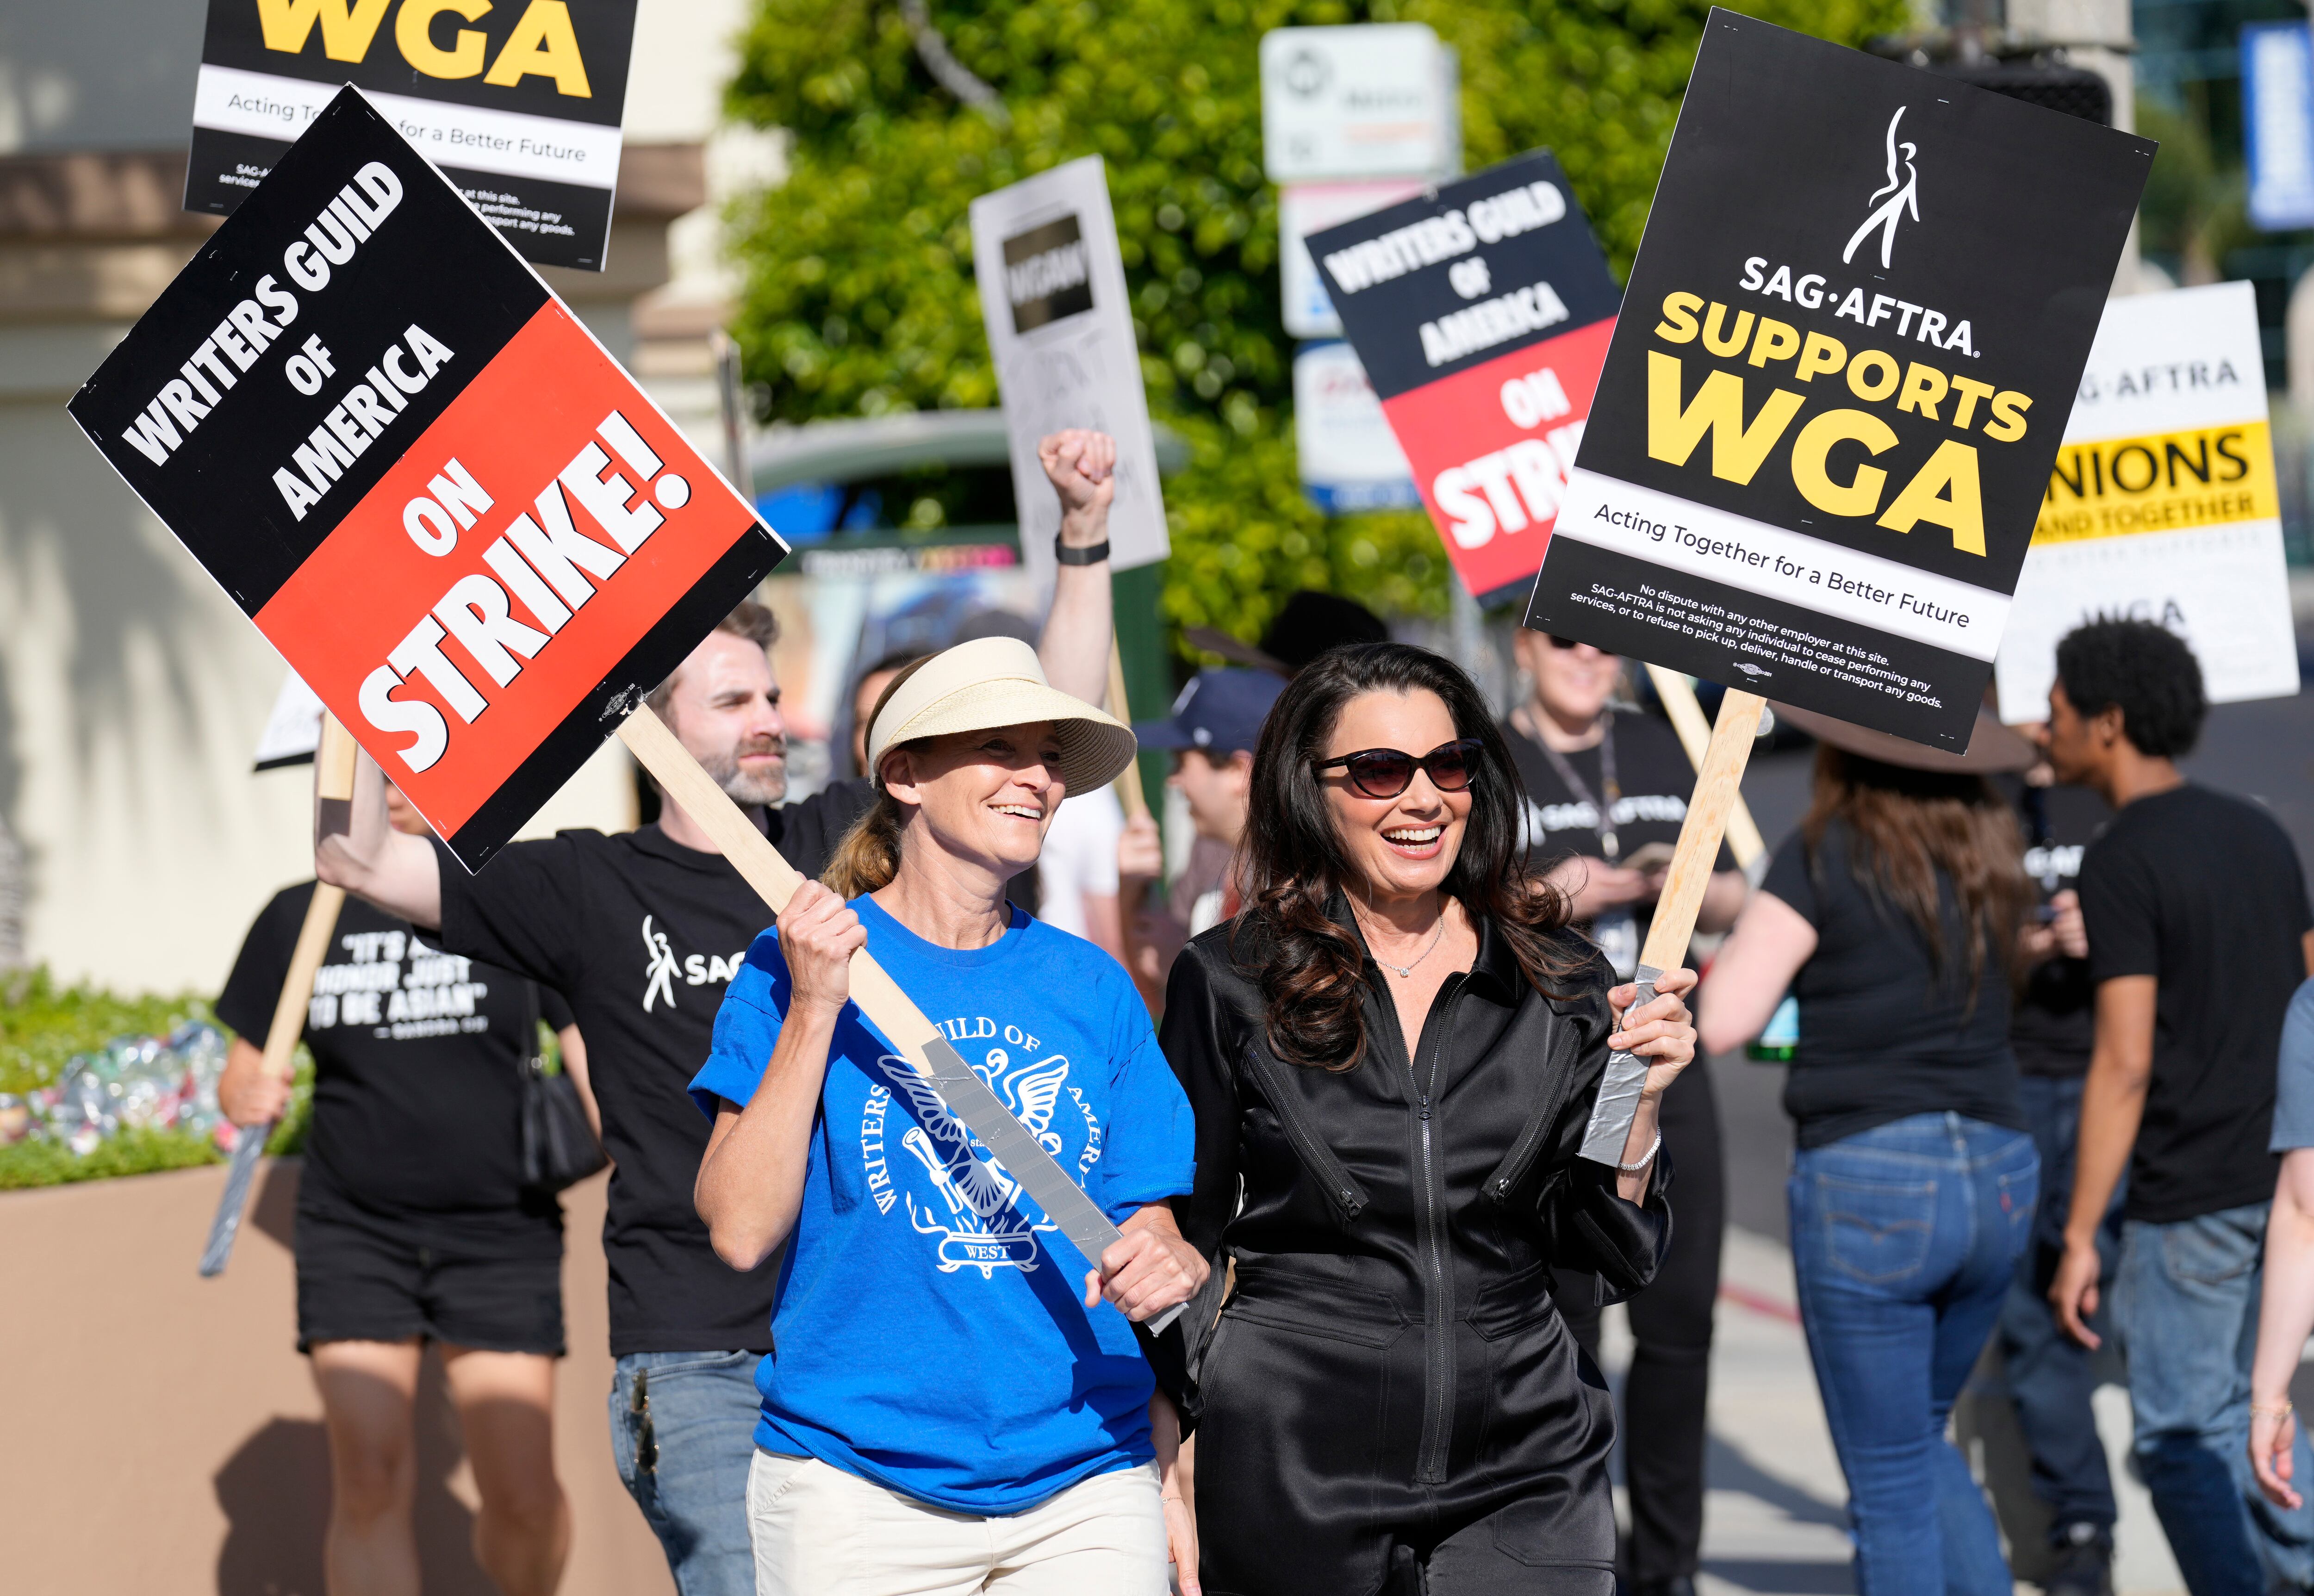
1390	1401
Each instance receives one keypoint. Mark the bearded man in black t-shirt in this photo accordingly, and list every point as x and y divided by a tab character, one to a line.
1606	794
2199	934
643	931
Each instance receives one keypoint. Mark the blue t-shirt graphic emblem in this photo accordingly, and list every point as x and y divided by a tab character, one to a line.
980	1224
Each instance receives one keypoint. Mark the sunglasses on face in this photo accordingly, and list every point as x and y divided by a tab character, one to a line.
1560	642
1385	772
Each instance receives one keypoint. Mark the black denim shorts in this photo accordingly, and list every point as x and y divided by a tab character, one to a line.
366	1278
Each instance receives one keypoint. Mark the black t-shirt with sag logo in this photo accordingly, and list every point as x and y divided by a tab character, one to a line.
418	1066
642	935
1652	778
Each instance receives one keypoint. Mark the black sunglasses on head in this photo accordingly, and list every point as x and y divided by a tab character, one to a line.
1385	772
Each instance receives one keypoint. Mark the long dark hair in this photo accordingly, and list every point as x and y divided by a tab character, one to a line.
1312	967
1904	828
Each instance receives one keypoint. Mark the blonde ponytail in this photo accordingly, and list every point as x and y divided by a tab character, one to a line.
869	856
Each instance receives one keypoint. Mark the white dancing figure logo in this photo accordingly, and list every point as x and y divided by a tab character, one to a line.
1892	200
977	1217
663	968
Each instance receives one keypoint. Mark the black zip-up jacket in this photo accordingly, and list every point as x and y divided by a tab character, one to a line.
1390	1371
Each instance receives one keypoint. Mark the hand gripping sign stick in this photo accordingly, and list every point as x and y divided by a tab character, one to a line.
334	786
1678	696
887	1008
1700	833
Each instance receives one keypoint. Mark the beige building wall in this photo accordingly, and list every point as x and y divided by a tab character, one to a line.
131	690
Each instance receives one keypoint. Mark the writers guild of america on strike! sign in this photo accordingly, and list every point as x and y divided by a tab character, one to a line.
435	494
1481	312
1847	353
517	101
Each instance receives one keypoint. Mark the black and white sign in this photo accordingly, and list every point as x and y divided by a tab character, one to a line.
518	102
1847	354
1052	293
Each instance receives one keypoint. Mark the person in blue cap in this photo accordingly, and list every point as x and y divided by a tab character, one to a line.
1213	728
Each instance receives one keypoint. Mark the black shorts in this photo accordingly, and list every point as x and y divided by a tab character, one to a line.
366	1278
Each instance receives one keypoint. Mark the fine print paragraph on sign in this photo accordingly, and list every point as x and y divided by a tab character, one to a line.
518	102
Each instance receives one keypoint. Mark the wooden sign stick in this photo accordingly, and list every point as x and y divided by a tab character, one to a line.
923	1044
333	783
1129	779
1678	696
1716	796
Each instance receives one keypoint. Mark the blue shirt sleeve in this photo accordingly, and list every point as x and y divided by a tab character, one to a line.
2293	1097
746	1026
1152	1148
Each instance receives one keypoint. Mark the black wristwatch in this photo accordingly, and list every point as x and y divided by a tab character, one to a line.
1091	555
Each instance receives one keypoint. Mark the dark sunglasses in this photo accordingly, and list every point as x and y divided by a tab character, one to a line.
1385	772
1560	642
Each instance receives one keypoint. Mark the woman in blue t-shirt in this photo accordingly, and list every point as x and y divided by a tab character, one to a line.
946	1409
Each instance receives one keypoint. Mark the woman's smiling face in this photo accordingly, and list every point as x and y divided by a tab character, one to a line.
985	796
1405	845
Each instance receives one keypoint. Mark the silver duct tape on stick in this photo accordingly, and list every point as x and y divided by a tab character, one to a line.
333	791
921	1042
227	1224
1619	1091
1717	780
1024	1158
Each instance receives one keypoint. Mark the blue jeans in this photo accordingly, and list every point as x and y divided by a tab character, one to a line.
2051	1376
1903	1241
683	1433
2186	1304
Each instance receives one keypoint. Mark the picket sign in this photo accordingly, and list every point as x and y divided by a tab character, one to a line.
1717	779
1678	696
334	786
1129	779
890	1010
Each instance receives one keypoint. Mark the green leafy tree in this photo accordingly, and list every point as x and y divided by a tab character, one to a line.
859	298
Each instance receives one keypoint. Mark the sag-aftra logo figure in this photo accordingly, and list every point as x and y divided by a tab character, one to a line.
1898	195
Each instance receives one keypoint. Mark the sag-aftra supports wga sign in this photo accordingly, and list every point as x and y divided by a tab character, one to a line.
1825	423
517	101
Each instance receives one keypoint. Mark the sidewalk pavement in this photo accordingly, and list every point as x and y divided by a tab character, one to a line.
1775	1518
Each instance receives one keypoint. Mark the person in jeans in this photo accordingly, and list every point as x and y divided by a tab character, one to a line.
643	931
1606	793
2051	1377
1891	916
2278	1450
2198	934
939	1412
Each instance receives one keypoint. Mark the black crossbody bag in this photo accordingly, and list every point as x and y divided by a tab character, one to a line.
559	1147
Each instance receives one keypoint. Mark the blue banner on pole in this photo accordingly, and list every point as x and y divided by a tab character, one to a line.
2278	69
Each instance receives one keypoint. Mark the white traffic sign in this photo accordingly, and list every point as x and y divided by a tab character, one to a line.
1375	100
1303	208
1349	458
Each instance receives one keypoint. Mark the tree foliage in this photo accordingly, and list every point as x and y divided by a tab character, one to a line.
858	296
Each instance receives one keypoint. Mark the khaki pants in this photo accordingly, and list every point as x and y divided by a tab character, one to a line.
819	1532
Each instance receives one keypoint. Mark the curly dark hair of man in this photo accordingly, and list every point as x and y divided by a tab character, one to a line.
1904	827
1313	967
2145	669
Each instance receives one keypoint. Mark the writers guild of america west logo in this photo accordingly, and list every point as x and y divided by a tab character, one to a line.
1893	200
974	1203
